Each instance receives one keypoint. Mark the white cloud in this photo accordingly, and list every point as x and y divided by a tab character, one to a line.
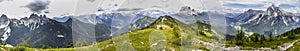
259	4
169	5
38	6
13	10
79	7
62	7
16	9
91	0
85	7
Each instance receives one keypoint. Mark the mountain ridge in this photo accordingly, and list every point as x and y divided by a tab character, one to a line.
40	30
274	19
164	31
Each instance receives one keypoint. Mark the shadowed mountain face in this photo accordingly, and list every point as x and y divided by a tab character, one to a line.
40	30
274	19
141	23
163	33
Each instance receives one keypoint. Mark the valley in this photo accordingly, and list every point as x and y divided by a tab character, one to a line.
258	30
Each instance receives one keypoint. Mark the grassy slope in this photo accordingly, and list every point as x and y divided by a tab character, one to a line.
171	36
165	34
279	40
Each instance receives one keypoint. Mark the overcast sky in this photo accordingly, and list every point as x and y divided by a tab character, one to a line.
57	8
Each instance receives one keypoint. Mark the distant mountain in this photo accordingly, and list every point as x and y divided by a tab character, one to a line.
165	33
189	15
40	30
3	21
274	19
63	19
142	23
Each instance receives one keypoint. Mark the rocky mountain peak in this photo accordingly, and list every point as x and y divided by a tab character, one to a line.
274	18
33	16
165	19
3	17
4	21
36	16
274	10
187	10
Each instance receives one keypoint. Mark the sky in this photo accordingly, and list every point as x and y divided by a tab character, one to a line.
261	4
58	8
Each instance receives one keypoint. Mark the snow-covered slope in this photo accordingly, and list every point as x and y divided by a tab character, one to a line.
274	19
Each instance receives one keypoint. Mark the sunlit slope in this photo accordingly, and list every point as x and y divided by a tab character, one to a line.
166	33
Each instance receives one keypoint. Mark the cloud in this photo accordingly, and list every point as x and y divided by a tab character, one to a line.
5	0
258	3
47	11
287	6
91	0
235	5
100	9
164	0
38	6
128	9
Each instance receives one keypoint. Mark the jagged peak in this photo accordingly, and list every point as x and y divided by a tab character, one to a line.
250	10
25	18
188	11
165	18
185	8
274	9
4	16
44	16
36	16
71	19
33	16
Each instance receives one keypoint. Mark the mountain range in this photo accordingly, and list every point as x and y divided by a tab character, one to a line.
40	30
273	20
165	33
60	32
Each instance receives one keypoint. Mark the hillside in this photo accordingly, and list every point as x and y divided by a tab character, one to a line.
286	41
42	31
273	19
166	33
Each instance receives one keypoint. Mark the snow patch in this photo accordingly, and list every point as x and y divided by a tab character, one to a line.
284	21
8	45
4	25
60	36
154	44
252	19
142	43
275	14
272	23
296	19
6	34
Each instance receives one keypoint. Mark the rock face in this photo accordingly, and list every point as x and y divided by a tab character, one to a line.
38	30
274	19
